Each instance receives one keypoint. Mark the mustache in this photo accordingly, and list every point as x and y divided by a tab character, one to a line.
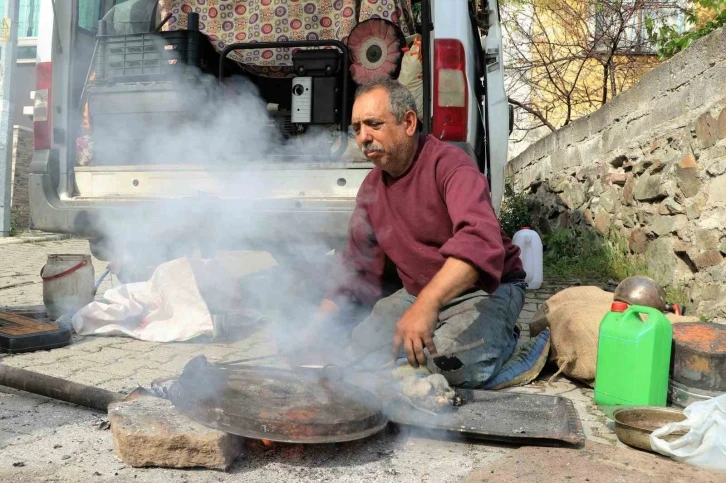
371	146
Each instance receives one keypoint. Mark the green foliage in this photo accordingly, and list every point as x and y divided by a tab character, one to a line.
579	253
669	41
516	210
573	253
15	223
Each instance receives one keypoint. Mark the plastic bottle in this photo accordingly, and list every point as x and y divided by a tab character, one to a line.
530	245
633	357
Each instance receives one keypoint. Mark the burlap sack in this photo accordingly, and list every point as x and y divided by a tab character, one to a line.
573	316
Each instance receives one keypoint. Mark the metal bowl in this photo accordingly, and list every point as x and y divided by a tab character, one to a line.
633	425
641	290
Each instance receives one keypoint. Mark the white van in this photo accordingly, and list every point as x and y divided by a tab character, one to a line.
129	207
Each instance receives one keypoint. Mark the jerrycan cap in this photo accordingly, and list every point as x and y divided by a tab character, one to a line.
619	307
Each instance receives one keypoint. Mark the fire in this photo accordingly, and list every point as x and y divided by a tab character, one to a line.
269	448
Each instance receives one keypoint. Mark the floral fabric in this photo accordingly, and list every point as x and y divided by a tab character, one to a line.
230	21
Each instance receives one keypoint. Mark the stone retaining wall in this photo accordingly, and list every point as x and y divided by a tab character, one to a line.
651	166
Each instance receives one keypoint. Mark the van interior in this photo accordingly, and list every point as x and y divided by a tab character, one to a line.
154	61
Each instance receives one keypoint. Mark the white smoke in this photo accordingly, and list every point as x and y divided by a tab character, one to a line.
227	133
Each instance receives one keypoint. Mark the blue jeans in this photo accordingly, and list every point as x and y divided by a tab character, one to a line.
465	320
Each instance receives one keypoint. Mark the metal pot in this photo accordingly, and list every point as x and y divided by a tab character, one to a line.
641	290
633	425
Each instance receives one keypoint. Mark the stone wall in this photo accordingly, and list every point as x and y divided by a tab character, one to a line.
651	166
22	156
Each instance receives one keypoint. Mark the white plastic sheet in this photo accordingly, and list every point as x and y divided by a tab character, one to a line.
171	306
705	443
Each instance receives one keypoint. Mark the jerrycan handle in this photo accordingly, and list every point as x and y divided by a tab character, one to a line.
651	312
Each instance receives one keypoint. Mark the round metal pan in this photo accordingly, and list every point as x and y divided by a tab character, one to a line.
633	425
275	404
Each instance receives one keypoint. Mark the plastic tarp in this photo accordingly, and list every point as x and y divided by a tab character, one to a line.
174	305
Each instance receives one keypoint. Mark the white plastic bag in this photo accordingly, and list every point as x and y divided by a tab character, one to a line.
171	306
705	443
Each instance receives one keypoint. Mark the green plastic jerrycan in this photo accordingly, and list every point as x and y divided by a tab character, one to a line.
633	357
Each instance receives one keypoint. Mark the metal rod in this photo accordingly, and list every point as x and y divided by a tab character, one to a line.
61	389
249	359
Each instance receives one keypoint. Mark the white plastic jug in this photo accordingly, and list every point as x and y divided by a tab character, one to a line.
68	284
530	245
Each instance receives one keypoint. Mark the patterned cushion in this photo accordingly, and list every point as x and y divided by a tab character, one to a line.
229	21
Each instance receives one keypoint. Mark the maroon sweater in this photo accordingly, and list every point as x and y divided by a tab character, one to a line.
439	208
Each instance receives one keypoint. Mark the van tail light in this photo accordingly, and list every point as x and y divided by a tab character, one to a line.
451	112
42	129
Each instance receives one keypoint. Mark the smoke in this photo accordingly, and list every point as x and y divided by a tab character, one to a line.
232	179
230	144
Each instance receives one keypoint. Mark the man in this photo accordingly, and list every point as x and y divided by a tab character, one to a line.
426	208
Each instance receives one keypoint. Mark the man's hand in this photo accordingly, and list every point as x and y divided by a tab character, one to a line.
415	330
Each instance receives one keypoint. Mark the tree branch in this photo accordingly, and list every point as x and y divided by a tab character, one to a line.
532	111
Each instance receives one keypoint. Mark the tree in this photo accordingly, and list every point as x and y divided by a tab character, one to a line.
704	16
566	58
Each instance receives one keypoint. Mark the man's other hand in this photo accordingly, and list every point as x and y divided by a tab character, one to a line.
415	330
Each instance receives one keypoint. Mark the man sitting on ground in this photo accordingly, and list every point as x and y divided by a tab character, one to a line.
425	207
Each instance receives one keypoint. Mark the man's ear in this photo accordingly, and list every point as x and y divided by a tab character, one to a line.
410	120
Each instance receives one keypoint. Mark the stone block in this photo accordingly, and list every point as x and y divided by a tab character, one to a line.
616	178
707	259
645	215
661	260
627	215
649	188
707	130
610	200
662	225
688	161
688	181
717	191
669	206
717	168
151	432
706	240
638	241
722	124
602	222
628	190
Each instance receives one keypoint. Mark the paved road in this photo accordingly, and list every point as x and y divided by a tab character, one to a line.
46	440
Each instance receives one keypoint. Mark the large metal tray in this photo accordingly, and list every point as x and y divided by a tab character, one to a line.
500	416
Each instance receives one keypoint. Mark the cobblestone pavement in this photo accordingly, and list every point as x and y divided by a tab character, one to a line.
47	440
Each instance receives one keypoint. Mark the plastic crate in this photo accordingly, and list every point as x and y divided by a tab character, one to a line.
151	56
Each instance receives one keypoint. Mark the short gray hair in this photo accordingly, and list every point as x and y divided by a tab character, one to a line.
400	99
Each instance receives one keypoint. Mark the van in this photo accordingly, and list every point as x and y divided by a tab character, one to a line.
103	72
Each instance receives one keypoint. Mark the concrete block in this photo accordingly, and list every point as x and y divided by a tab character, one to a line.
151	432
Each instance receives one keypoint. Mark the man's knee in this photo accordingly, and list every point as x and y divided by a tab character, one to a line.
491	320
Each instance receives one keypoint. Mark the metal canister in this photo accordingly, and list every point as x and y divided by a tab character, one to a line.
699	356
68	284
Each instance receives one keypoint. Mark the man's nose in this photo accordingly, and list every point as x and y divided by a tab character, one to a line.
364	135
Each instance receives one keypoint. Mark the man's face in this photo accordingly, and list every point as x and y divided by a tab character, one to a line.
386	143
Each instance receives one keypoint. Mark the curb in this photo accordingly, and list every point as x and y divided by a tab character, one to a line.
31	239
